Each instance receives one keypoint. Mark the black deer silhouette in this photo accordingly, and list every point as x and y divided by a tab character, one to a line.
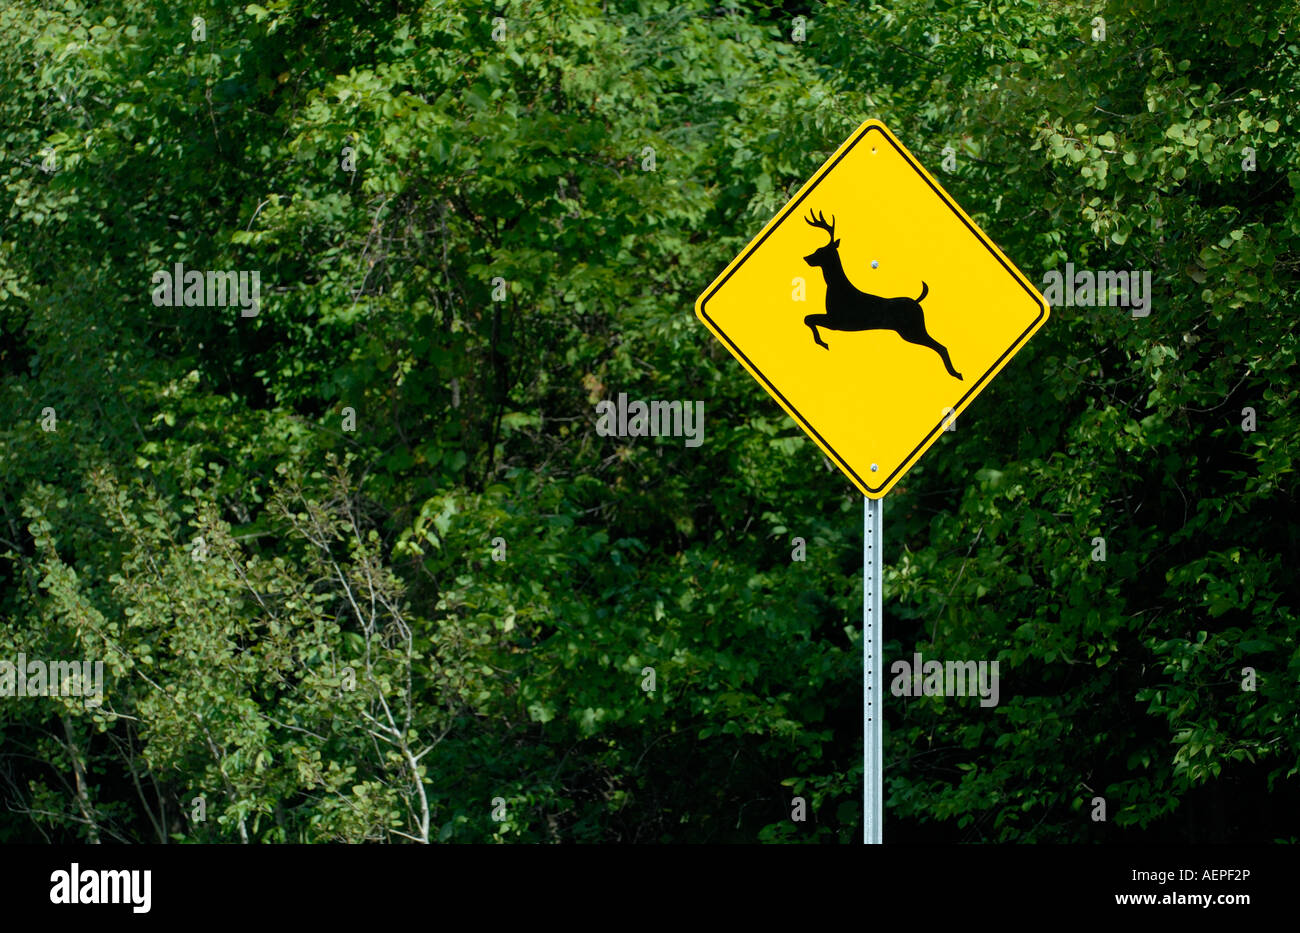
849	309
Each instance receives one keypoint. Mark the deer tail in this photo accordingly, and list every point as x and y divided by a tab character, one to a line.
925	290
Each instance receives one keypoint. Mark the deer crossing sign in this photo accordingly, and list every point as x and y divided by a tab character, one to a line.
872	308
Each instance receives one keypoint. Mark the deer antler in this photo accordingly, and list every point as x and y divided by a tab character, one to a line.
819	221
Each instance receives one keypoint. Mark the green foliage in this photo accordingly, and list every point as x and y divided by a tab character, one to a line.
516	166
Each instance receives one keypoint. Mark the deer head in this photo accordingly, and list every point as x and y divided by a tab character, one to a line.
826	253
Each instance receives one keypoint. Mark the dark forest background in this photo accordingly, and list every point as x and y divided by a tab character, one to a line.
305	633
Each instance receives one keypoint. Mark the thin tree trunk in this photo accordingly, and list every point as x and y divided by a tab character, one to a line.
79	773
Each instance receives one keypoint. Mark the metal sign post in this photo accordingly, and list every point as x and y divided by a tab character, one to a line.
873	803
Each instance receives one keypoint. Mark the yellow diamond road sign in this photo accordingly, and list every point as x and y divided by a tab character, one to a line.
872	309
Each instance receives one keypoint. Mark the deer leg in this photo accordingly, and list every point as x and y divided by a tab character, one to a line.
925	340
812	321
947	362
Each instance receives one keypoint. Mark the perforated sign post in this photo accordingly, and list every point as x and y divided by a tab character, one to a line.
874	310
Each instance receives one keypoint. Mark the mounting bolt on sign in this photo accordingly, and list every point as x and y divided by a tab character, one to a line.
874	311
